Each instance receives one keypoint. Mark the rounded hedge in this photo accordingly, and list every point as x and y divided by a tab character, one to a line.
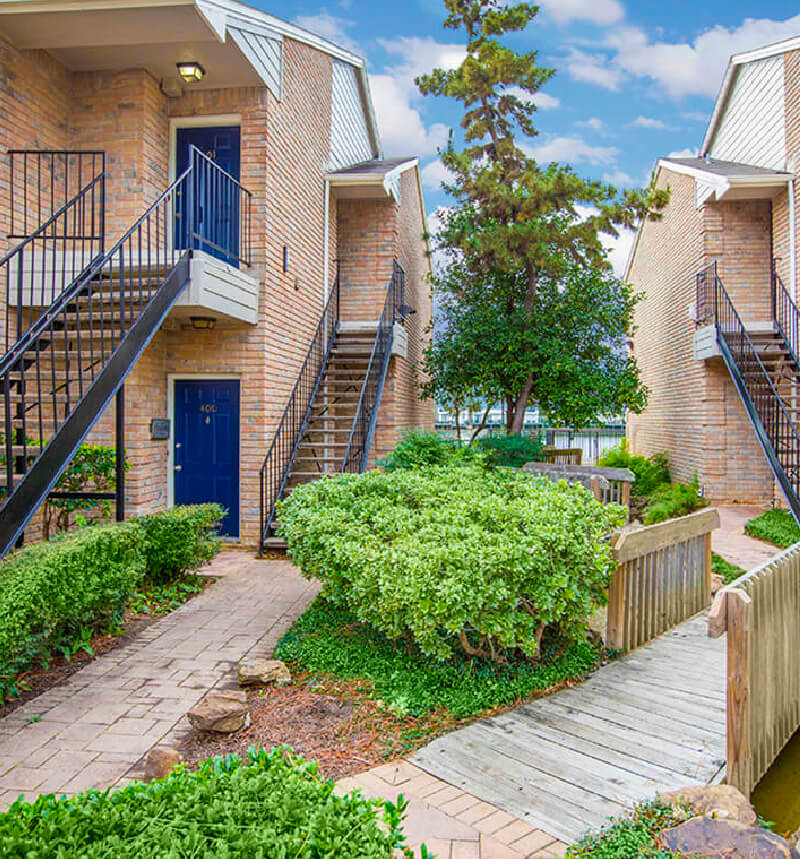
455	557
273	806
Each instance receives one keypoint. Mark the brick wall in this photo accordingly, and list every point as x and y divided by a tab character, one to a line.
694	412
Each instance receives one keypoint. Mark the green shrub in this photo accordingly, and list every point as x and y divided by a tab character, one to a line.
634	836
454	557
729	572
274	806
672	500
775	526
52	592
328	639
512	451
417	449
178	540
650	473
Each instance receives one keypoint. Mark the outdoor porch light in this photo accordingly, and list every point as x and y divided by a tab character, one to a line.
191	71
203	322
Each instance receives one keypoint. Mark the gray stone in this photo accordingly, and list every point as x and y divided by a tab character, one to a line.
223	712
704	836
262	672
160	762
720	801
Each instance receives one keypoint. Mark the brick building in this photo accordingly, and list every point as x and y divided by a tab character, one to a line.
221	234
717	332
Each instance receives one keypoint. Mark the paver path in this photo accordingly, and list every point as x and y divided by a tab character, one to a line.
97	725
653	720
730	541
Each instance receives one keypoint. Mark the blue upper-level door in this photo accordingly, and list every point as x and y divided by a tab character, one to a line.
206	446
217	201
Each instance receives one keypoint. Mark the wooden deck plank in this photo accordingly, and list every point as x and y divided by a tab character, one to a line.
647	722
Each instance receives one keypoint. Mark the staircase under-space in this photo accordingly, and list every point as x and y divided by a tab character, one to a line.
765	369
329	423
78	316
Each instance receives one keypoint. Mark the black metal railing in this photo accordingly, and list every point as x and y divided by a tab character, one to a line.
362	430
786	316
775	428
57	210
277	465
61	373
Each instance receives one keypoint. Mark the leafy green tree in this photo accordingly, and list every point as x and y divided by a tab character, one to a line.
513	214
568	351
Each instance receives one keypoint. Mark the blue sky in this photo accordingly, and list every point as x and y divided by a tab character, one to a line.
635	80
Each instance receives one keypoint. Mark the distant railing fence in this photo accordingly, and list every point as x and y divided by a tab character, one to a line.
663	577
609	485
761	614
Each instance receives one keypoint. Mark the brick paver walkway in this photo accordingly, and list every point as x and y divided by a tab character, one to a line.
730	541
96	727
452	823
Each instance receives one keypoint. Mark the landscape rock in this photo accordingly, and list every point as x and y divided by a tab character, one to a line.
160	762
720	801
223	711
262	672
704	836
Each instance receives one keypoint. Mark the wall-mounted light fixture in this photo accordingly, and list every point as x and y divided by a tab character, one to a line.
203	322
285	259
191	71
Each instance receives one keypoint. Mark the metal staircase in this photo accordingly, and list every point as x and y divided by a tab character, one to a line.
329	423
765	369
78	317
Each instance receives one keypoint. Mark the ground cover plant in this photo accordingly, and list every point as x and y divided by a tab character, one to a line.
56	597
729	572
273	804
775	526
455	559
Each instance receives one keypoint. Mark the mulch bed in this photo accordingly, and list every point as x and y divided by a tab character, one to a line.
331	721
33	683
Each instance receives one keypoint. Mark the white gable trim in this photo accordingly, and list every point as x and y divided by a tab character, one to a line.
265	55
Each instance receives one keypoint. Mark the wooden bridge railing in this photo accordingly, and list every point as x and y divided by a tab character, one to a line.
663	577
761	614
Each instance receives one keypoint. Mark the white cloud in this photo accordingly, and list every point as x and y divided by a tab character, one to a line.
434	174
682	69
648	122
684	153
621	179
594	123
330	27
619	249
572	150
593	69
597	11
397	100
695	116
542	100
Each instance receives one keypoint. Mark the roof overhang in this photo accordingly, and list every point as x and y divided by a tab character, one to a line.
764	185
377	184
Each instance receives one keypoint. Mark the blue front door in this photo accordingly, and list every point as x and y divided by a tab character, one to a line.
206	439
217	201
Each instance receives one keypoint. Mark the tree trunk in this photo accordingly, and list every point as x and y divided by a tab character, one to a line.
482	424
458	422
521	401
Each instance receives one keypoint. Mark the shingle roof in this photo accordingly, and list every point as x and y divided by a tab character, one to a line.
725	169
374	167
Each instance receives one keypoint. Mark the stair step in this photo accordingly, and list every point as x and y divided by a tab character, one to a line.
317	459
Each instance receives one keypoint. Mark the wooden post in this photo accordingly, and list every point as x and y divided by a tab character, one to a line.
626	500
709	570
596	491
738	622
616	631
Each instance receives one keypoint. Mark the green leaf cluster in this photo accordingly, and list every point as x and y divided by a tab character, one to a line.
651	473
775	526
328	639
418	448
455	557
672	500
272	806
179	540
512	451
729	572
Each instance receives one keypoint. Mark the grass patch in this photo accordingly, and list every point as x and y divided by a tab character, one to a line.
328	639
774	526
158	600
632	837
726	569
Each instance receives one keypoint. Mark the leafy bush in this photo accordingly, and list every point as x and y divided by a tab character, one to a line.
417	449
455	556
328	639
179	540
671	500
632	837
512	450
650	473
775	526
93	468
51	592
274	805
